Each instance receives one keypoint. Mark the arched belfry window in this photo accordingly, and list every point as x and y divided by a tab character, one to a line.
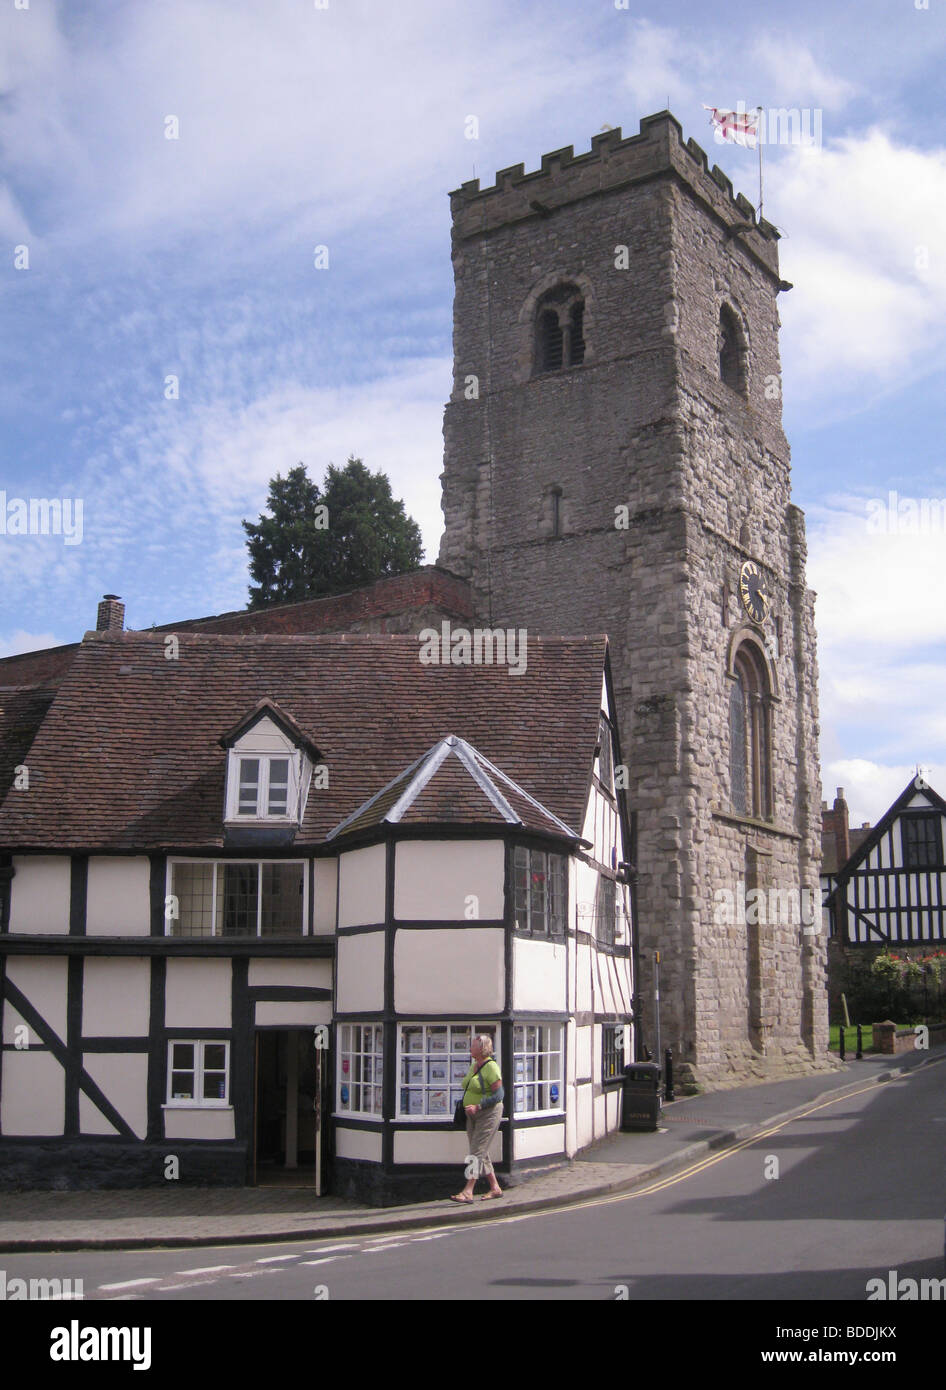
560	329
732	351
750	753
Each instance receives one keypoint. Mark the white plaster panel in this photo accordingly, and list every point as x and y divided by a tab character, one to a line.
538	974
123	1079
116	997
434	1146
359	972
434	878
39	894
198	994
601	1116
583	1051
311	974
326	888
586	888
607	1000
264	737
538	1140
44	982
457	970
194	1123
34	1094
119	897
91	1119
358	1143
361	886
292	1013
583	1113
12	1021
583	979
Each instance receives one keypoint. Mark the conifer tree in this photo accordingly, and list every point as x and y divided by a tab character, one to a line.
319	541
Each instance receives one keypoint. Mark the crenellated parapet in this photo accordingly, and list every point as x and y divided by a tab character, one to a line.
613	162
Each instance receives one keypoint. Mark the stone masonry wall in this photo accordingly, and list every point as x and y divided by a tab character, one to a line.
646	424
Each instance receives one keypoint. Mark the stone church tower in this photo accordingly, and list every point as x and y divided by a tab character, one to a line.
615	462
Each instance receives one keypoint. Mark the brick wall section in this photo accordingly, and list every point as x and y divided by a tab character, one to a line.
403	603
645	422
45	667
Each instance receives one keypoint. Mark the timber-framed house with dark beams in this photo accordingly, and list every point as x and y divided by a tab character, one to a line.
891	891
258	893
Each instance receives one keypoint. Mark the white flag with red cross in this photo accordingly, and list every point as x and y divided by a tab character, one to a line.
737	127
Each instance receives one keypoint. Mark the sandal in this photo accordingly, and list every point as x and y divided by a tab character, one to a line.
487	1196
459	1197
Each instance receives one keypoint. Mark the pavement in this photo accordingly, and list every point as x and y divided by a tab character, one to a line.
690	1128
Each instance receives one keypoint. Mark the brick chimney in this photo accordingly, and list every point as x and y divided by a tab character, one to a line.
111	616
836	824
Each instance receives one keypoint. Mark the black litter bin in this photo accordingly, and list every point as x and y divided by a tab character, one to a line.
640	1096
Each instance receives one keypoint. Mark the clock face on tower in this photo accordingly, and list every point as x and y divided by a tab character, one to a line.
752	592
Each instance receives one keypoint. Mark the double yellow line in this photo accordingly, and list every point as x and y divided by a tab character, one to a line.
660	1184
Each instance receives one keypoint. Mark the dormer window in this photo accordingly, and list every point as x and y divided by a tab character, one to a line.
269	768
264	787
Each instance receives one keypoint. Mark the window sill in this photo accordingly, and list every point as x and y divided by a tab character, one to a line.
197	1105
753	823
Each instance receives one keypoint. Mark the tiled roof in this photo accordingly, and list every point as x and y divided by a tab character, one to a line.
21	713
453	783
129	755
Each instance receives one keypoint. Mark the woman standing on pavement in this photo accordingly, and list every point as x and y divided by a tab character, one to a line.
483	1103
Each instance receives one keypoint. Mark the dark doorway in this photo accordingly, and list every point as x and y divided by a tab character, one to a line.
287	1125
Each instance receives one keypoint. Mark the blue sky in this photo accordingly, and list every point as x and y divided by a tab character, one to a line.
346	126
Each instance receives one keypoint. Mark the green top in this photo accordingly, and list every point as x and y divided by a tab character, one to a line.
473	1092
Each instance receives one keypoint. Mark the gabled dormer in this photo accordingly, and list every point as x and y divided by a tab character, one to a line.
269	768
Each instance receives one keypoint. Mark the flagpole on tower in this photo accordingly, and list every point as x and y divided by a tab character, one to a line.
760	142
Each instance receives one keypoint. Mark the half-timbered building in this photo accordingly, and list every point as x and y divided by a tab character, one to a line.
891	890
258	892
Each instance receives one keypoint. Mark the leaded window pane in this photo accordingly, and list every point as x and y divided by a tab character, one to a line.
281	906
737	735
240	899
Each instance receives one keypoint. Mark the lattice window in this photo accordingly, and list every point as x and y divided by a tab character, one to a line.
922	847
750	759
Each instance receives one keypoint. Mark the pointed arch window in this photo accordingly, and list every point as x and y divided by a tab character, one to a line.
750	768
559	329
732	351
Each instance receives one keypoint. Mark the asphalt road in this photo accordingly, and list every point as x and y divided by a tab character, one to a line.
851	1191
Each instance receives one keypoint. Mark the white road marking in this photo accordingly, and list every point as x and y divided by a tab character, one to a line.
192	1284
208	1269
274	1259
330	1249
327	1261
130	1283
